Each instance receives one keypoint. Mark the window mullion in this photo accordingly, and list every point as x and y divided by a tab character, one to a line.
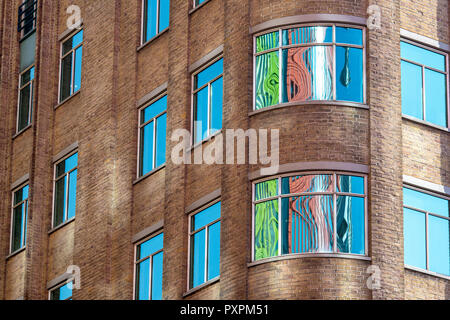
154	144
427	247
209	111
206	254
66	207
280	63
279	218
334	64
423	94
334	214
150	277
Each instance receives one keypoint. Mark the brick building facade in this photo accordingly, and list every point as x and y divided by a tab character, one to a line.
117	207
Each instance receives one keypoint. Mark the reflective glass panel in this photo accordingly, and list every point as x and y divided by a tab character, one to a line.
349	77
350	184
415	238
143	280
309	183
267	41
305	35
412	90
266	189
198	258
349	36
436	98
266	229
206	216
151	246
201	115
439	245
161	128
350	225
426	202
267	80
422	56
216	105
157	274
214	251
164	10
147	148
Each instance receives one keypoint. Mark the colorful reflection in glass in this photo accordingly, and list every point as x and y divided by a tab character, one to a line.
266	229
267	80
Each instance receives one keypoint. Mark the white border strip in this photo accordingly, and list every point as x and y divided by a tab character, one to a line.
424	40
426	185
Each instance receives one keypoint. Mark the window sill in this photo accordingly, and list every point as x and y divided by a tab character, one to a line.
149	174
202	286
307	103
427	272
22	131
428	124
198	7
207	139
309	255
145	44
15	253
62	225
67	99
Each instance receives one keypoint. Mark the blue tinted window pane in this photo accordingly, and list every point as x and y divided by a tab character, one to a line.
161	127
164	9
209	74
198	259
412	96
267	41
147	148
267	80
349	36
151	246
439	245
415	238
216	105
422	56
71	162
157	274
150	17
77	39
310	183
201	115
308	35
214	251
349	68
72	194
266	189
154	109
350	225
25	191
206	216
143	280
65	292
436	97
426	202
197	2
350	184
77	69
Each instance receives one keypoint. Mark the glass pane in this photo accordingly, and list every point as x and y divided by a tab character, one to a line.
164	9
206	216
415	238
147	149
267	41
17	228
350	184
201	115
349	36
197	2
350	225
71	162
150	19
161	127
60	201
266	189
216	105
156	108
77	69
65	292
439	246
422	56
27	51
143	280
308	35
426	202
310	183
25	219
412	95
210	73
77	39
27	77
151	246
72	199
307	73
436	97
24	107
198	259
267	80
349	68
309	224
66	77
266	229
157	274
214	251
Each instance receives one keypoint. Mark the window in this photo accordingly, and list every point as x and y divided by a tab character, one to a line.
424	84
155	18
149	269
426	231
309	63
27	17
208	101
65	190
71	61
198	2
305	213
204	242
19	218
62	292
152	136
25	108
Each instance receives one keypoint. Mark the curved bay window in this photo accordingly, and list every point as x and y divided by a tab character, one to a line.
309	63
310	213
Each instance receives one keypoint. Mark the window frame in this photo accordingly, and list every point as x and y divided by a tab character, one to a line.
58	286
61	58
427	214
333	44
31	101
192	233
156	98
194	91
22	14
143	22
25	227
55	180
334	194
423	68
150	257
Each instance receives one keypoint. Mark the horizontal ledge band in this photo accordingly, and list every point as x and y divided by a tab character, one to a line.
311	103
309	255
